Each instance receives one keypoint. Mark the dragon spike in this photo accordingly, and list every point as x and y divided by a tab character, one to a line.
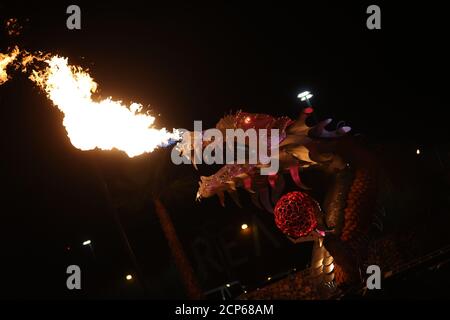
248	184
320	131
272	180
301	153
296	177
221	198
234	195
231	184
264	197
343	130
255	200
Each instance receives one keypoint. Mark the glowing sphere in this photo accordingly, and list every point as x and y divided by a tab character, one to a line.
295	214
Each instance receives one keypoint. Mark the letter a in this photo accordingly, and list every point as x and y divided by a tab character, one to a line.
374	20
74	20
74	280
374	280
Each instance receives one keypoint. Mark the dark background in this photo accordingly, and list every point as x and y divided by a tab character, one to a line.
196	63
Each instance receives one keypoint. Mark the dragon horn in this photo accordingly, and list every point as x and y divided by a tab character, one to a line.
343	130
321	126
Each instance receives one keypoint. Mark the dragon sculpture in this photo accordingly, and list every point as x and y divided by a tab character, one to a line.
347	212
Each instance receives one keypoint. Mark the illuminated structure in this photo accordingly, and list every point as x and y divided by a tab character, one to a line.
340	225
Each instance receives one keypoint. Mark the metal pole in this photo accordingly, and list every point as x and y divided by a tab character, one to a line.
123	235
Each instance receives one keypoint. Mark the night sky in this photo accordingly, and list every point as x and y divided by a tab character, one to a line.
191	63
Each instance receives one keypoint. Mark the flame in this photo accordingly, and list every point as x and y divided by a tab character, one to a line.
105	124
5	60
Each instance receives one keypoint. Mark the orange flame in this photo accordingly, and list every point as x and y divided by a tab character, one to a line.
105	124
5	60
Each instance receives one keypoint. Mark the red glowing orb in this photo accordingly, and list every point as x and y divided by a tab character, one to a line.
295	214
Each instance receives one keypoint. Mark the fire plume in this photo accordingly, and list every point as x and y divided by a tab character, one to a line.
5	61
106	124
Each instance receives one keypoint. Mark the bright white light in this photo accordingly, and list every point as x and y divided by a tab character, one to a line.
418	151
303	94
87	242
269	278
307	97
129	277
228	285
244	226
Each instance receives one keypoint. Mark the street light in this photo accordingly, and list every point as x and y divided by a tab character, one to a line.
244	226
88	243
305	96
129	277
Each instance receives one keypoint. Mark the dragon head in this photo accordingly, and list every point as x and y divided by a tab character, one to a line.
300	146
